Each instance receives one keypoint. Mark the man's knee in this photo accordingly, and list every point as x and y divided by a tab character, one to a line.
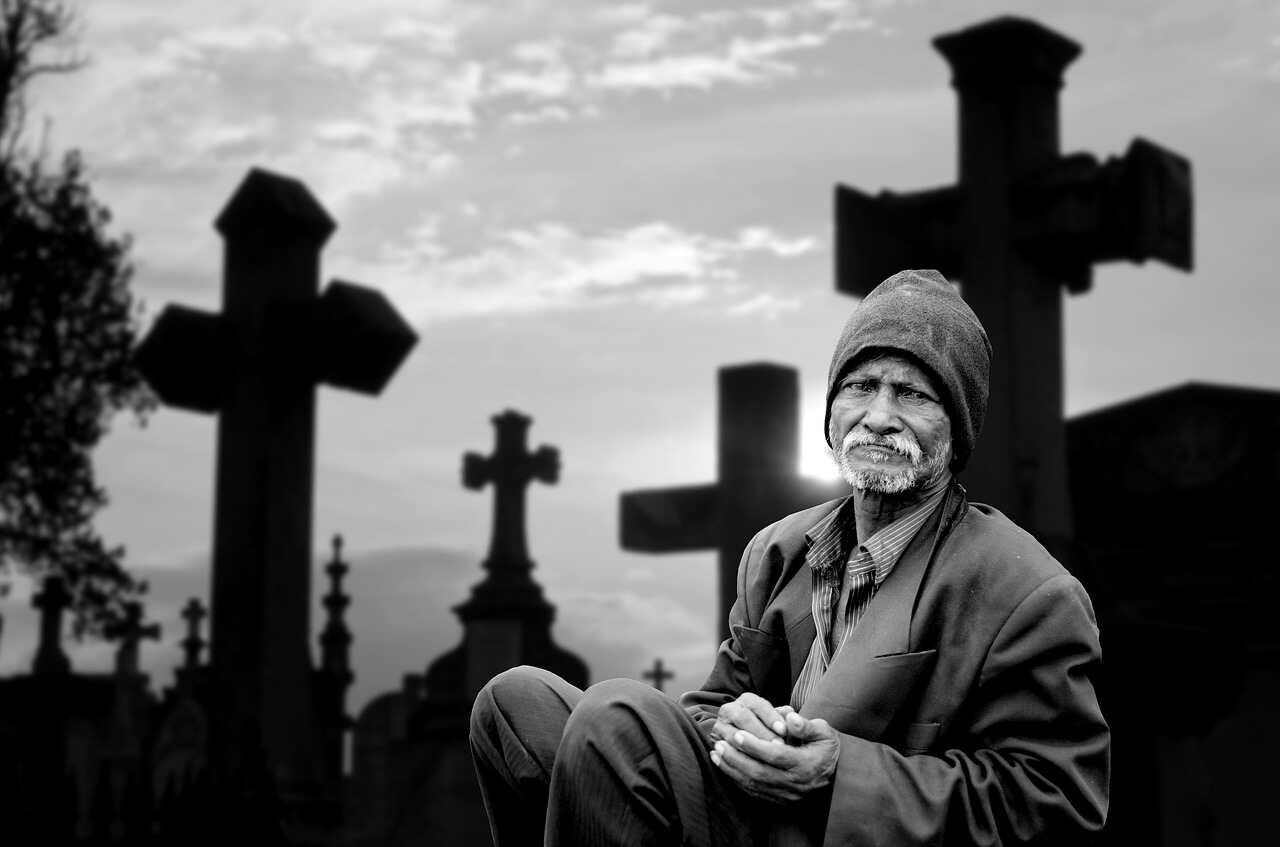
506	691
510	690
616	709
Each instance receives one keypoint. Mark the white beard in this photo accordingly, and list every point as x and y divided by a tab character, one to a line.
922	471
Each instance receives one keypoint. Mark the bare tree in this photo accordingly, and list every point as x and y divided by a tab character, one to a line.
35	38
67	331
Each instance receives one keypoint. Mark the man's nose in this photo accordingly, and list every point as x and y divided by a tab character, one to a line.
882	412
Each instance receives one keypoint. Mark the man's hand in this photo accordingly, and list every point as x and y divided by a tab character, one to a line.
753	714
778	772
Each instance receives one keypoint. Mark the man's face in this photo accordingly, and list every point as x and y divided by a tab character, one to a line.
889	430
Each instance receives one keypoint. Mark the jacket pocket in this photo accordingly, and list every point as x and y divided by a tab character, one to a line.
767	661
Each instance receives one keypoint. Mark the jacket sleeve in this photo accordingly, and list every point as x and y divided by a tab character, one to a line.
730	676
1030	755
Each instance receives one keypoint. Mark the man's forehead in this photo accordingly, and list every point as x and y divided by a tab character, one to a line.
891	364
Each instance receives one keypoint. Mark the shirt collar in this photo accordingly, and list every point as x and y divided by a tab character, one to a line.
832	540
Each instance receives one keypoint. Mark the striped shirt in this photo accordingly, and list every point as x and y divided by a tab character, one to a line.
850	589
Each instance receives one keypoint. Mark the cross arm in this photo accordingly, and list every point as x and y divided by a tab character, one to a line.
806	491
476	470
361	339
185	358
1135	207
544	464
879	236
665	520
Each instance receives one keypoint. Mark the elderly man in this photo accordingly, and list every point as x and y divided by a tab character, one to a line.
903	666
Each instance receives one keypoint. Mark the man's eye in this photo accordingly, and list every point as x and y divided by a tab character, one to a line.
911	395
859	386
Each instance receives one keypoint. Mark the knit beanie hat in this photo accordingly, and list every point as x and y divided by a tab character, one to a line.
919	313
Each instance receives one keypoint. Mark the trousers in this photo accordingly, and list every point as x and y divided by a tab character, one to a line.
618	764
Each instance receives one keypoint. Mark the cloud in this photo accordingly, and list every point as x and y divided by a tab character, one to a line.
552	265
765	304
664	52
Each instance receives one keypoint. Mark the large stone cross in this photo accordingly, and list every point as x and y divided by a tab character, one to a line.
759	425
1022	223
510	468
257	366
52	601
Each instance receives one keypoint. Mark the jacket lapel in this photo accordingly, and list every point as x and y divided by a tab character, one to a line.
874	672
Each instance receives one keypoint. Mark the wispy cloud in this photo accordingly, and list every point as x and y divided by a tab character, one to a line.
552	265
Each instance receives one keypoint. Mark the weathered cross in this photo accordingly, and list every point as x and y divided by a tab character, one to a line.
659	674
759	424
193	613
52	601
129	632
1021	223
257	366
510	468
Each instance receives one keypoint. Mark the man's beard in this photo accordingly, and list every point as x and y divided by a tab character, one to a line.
923	470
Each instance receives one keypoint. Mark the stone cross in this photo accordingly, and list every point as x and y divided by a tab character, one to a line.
759	424
193	645
52	601
257	366
130	632
659	674
510	468
1022	223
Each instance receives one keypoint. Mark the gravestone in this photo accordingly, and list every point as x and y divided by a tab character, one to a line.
130	632
758	483
1021	223
257	366
52	601
1174	495
506	622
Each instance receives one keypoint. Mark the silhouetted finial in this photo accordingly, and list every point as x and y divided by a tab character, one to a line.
335	640
193	645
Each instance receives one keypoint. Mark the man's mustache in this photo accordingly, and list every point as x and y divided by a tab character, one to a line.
900	443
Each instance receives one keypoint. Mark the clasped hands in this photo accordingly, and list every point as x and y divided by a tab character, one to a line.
773	753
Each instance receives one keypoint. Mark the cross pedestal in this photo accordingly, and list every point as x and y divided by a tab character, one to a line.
256	366
1021	223
759	425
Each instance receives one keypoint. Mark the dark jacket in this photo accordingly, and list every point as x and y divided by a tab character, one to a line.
964	698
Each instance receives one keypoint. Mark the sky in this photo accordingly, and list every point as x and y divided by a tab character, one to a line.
585	209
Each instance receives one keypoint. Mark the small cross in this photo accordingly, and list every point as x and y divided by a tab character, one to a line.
52	601
193	613
510	468
130	632
659	674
